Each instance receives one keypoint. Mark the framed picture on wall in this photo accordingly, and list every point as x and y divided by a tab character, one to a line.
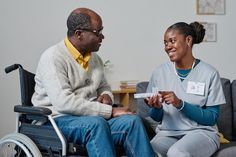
211	33
210	7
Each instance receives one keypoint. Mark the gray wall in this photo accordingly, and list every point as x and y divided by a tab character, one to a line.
133	42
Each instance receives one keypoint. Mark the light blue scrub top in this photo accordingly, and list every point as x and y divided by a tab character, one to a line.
174	122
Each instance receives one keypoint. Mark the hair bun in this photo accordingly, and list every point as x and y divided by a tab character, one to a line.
199	30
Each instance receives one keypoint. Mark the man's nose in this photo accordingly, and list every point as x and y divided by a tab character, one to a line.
101	36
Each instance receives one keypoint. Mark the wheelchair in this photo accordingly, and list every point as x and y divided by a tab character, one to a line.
32	139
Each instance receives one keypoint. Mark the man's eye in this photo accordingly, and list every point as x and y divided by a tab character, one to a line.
173	41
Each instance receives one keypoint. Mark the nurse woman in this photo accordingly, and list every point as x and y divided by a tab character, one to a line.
188	96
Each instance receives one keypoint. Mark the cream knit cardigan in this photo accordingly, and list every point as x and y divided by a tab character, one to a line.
66	88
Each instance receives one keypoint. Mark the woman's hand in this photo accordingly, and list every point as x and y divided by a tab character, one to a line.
169	97
154	101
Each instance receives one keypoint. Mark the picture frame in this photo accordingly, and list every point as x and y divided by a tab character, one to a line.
210	7
211	32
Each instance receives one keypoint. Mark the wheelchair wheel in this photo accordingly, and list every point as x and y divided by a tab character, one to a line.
18	145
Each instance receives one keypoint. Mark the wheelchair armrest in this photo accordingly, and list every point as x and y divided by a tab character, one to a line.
42	111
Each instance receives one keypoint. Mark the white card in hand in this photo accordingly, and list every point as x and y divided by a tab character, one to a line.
143	95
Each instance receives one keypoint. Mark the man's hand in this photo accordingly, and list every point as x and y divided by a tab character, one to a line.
105	99
119	111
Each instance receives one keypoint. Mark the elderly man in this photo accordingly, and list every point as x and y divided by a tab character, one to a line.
70	81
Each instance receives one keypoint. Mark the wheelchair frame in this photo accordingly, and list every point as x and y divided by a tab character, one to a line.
34	113
25	136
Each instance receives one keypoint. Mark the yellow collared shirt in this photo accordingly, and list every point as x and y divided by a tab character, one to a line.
82	60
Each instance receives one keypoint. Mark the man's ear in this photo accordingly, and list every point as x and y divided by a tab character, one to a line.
78	33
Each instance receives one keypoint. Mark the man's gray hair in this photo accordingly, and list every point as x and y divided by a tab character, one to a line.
77	21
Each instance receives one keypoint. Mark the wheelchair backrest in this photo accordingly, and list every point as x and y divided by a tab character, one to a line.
27	84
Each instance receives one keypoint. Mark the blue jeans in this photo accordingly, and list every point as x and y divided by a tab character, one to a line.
99	135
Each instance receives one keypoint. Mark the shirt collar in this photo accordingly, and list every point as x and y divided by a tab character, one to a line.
82	60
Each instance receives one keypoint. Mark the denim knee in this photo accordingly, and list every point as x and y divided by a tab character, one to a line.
86	122
132	119
97	122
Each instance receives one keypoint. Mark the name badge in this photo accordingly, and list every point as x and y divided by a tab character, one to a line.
197	88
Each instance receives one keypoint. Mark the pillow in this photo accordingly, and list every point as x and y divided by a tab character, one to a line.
222	139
